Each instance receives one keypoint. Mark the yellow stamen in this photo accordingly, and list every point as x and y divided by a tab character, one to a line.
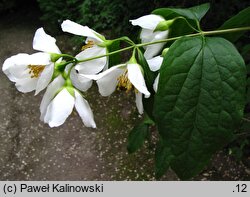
35	70
89	44
124	83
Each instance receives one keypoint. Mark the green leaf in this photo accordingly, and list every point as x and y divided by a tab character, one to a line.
194	13
162	158
137	137
242	19
200	100
115	58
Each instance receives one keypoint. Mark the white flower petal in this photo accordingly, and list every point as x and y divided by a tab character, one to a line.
156	82
93	66
26	84
74	28
80	82
107	81
44	42
155	63
15	66
84	110
148	22
45	78
155	49
16	69
136	78
59	109
147	36
55	85
138	101
39	58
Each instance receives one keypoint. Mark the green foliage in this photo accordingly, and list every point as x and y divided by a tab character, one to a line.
240	20
112	15
200	100
102	14
137	137
54	12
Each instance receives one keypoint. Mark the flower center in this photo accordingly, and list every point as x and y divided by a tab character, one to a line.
90	44
124	83
35	70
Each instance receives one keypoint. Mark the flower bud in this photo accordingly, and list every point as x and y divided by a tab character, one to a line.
164	52
163	25
54	57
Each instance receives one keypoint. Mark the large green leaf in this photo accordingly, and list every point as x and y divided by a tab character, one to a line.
194	13
200	100
163	157
242	19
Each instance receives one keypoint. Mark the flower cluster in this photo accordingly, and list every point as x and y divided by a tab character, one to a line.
67	77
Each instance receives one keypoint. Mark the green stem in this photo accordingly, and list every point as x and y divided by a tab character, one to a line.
68	74
107	54
125	39
224	31
68	56
198	25
205	33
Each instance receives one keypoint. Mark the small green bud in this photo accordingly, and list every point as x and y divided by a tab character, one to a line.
164	25
60	66
164	52
54	57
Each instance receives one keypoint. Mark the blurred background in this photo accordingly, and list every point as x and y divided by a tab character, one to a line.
114	15
30	150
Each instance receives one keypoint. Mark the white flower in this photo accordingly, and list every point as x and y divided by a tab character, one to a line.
91	49
58	103
123	76
33	72
148	24
154	65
